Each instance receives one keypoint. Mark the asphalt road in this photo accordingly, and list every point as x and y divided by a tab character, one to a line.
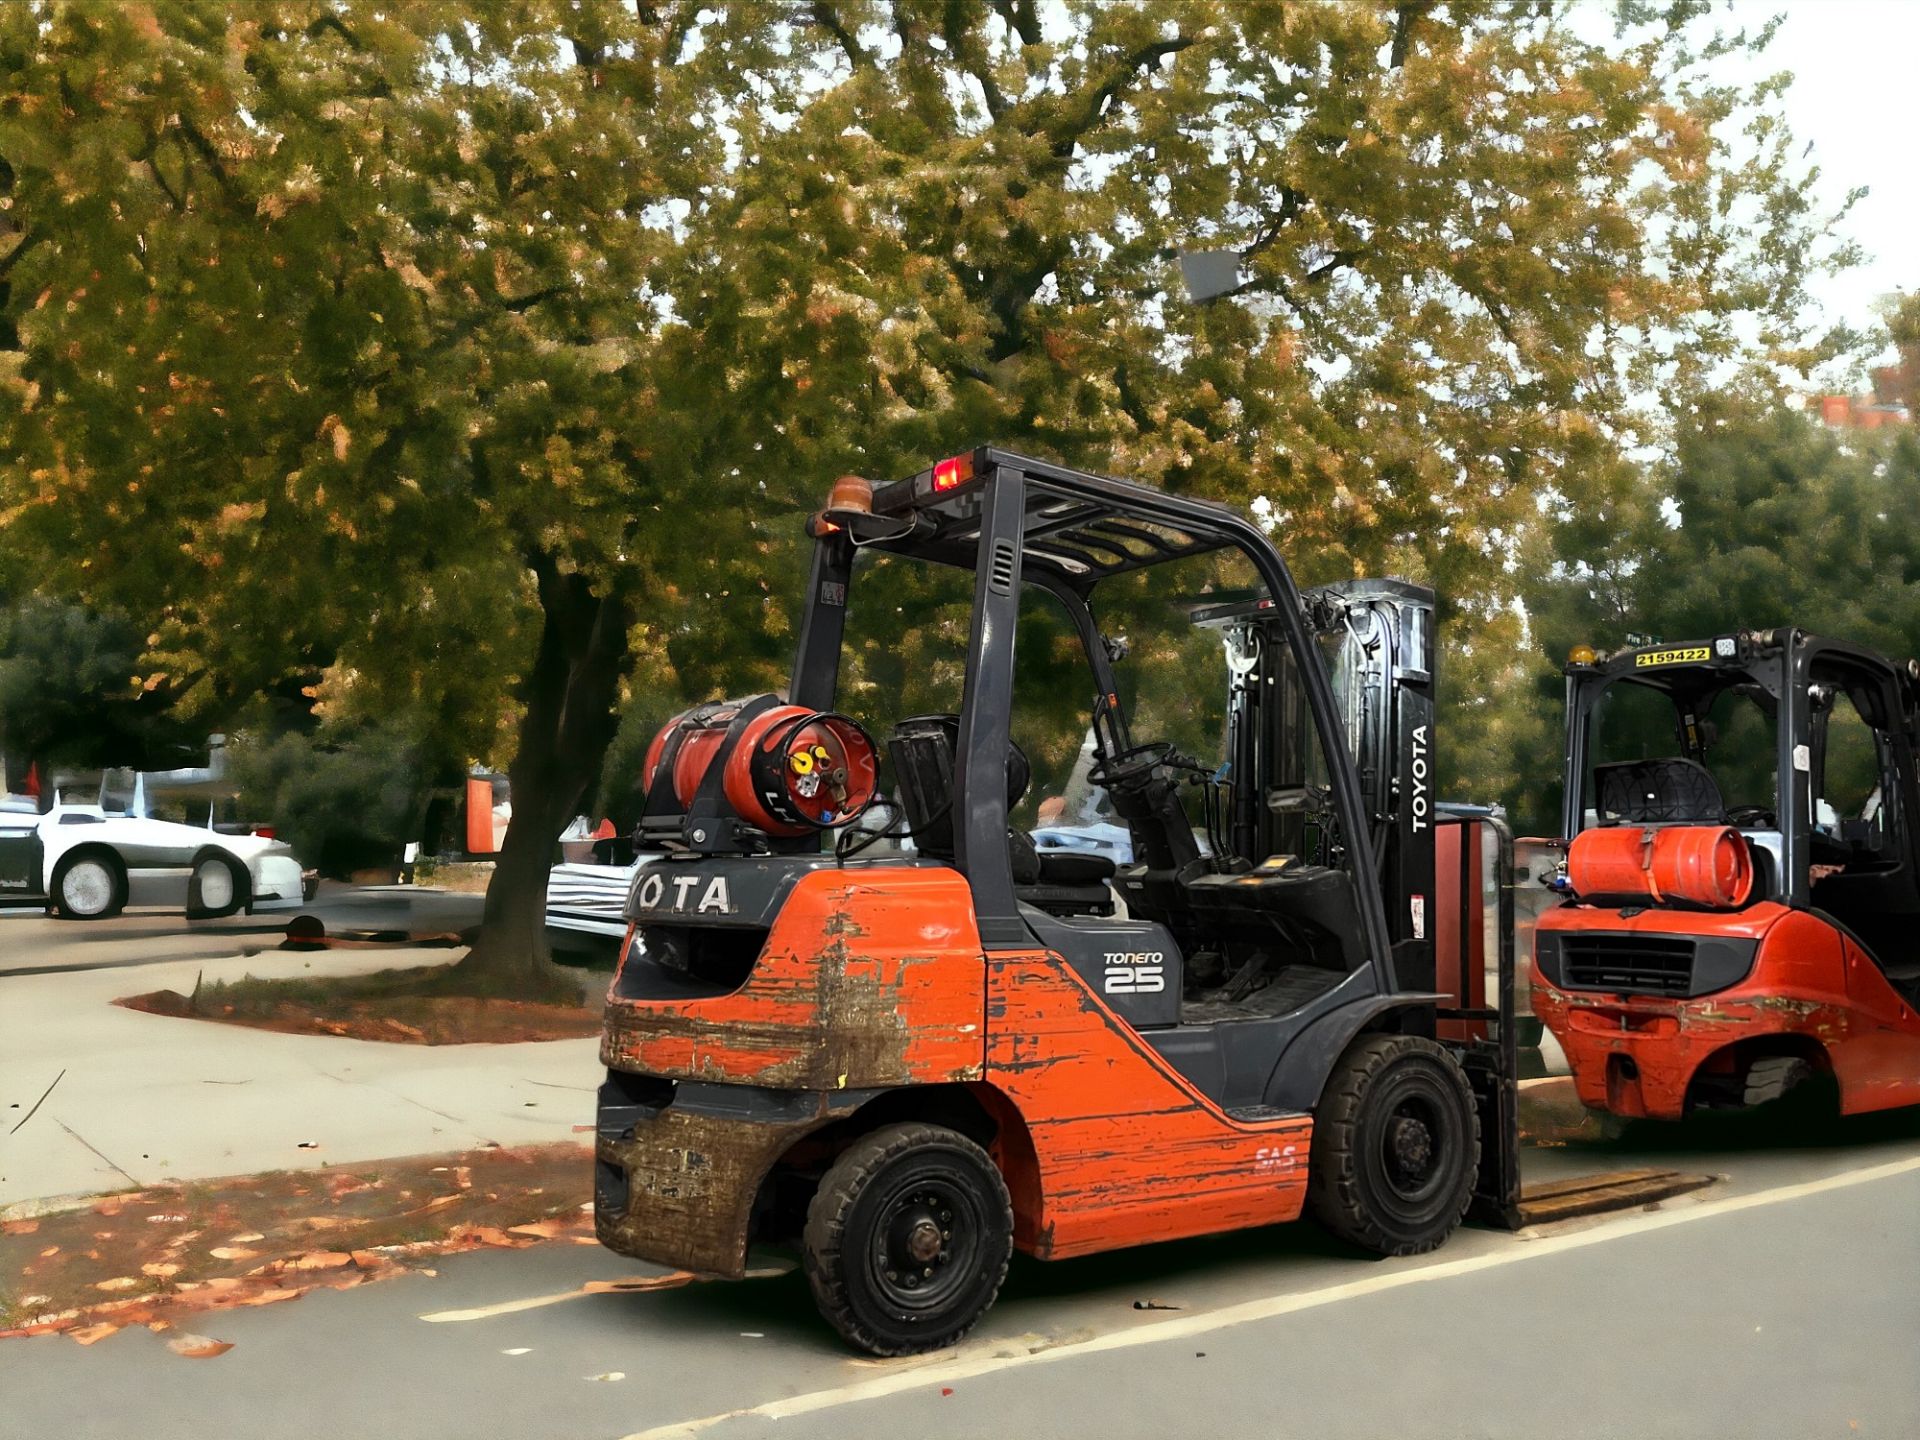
153	936
1781	1301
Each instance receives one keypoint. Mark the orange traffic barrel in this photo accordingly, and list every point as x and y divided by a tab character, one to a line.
1705	865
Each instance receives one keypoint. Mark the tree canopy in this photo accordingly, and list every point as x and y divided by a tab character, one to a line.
1763	518
490	362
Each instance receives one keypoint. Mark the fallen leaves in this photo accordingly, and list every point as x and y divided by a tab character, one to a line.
198	1347
271	1238
269	1297
321	1260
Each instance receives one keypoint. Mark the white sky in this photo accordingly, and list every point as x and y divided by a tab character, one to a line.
1855	97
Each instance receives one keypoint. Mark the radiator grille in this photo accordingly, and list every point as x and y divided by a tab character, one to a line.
1628	964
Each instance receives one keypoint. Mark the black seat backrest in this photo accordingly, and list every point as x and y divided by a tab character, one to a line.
921	749
1655	792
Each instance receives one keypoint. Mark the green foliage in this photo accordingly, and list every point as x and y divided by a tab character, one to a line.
343	806
73	690
455	356
1777	521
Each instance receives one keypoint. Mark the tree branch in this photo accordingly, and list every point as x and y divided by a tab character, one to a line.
828	19
1405	16
1292	202
204	147
1066	135
335	24
1274	285
1021	18
33	238
153	168
1332	263
521	304
964	46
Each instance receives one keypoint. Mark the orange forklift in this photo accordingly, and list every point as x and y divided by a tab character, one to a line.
913	1063
1743	877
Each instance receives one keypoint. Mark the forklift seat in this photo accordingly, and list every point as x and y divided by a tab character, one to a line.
1059	882
922	750
1659	792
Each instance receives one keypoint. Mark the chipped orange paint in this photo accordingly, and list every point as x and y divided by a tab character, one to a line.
868	978
878	979
1123	1151
1808	979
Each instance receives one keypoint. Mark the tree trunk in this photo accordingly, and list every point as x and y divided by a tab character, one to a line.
569	722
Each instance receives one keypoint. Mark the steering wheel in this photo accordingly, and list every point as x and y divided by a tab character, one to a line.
1752	817
1131	765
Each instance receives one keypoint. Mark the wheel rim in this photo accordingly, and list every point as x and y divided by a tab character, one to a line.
1411	1146
87	888
216	885
925	1246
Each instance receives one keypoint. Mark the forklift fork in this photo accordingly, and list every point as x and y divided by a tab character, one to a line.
1492	1061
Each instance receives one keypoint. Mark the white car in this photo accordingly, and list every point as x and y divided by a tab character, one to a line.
86	864
587	907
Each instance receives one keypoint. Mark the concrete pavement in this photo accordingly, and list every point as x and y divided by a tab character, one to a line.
148	1098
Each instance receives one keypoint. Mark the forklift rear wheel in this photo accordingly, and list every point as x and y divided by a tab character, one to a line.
908	1239
1396	1144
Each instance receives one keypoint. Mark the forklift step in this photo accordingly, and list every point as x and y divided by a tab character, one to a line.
1593	1194
1260	1114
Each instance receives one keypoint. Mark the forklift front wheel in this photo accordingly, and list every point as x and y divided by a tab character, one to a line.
908	1239
1396	1144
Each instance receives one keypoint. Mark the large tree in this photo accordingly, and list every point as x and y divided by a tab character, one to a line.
339	322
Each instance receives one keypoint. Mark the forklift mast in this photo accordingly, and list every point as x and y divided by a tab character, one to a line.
1376	639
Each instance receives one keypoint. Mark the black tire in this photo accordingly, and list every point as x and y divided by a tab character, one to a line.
1396	1145
239	889
888	1199
81	864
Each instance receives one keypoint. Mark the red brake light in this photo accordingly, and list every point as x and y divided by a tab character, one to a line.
951	474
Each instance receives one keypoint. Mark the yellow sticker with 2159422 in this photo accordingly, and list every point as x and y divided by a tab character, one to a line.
1684	655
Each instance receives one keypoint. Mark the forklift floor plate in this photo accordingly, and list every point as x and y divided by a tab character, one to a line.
1593	1194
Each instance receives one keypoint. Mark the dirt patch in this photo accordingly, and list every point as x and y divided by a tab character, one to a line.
1551	1115
406	1007
155	1256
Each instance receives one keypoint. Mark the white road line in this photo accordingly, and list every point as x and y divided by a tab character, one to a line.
913	1377
672	1280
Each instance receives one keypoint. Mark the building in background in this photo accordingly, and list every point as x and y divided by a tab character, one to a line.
1889	403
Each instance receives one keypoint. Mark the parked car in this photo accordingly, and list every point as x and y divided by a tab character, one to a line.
86	864
1099	838
586	907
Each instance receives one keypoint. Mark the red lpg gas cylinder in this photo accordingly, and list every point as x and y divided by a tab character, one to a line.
1705	865
788	771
